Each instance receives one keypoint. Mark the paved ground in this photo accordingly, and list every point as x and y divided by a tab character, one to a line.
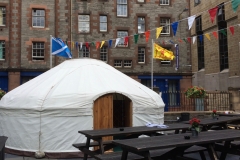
193	155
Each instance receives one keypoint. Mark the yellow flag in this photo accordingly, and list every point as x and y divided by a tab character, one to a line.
161	53
208	36
102	44
159	30
73	44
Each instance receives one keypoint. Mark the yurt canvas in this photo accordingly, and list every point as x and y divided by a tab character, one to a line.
46	113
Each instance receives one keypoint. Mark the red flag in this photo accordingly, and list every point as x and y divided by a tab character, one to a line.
126	40
189	39
180	40
213	13
147	34
163	42
231	29
69	43
215	34
87	45
97	44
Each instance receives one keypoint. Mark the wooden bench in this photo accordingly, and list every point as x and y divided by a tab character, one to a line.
155	154
235	126
234	147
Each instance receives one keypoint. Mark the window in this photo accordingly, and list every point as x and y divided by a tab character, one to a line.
38	50
122	34
103	54
199	24
85	51
173	92
117	63
141	1
164	2
200	43
2	16
122	8
2	50
141	24
166	62
84	23
103	23
127	63
165	23
38	18
141	54
197	2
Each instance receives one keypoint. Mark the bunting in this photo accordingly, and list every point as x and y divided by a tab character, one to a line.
213	13
201	38
189	39
117	41
126	41
87	45
136	38
190	21
235	4
102	44
231	30
158	32
193	39
223	32
215	34
147	34
97	44
208	36
110	43
174	27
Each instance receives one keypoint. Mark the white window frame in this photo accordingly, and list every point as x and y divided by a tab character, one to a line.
38	51
38	18
103	54
140	1
165	23
141	23
103	23
118	63
2	16
122	34
83	23
141	54
165	2
85	51
166	62
127	63
122	8
2	50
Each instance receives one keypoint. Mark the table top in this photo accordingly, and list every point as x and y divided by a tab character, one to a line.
222	119
177	140
131	130
3	140
229	114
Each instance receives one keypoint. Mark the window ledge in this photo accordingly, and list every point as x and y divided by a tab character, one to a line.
202	70
224	71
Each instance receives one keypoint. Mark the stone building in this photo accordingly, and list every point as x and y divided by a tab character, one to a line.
26	26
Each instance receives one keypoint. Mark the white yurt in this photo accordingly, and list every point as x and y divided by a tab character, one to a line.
46	113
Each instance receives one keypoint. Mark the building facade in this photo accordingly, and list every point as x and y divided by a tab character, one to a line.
26	26
215	61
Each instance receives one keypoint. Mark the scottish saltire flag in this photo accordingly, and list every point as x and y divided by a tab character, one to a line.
59	48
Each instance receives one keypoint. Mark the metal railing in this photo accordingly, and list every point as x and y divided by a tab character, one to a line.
177	101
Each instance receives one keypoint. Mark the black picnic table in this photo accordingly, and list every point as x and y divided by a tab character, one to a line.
132	132
221	121
143	146
3	140
229	114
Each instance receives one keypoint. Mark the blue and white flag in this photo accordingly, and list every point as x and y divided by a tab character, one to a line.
59	48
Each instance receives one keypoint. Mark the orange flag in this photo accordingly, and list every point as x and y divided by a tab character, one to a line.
147	34
215	34
97	44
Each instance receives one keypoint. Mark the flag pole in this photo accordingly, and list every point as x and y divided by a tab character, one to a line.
152	67
50	53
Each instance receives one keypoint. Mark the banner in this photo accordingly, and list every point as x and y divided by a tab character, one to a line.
161	53
177	57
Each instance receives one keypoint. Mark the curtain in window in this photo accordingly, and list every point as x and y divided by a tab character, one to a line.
1	51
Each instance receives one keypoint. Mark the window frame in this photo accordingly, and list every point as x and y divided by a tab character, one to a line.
104	54
166	4
118	66
164	30
141	2
4	17
103	23
140	54
3	49
85	50
141	23
123	5
166	62
126	64
121	42
80	21
36	57
38	16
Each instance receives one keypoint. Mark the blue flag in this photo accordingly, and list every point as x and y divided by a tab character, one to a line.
109	43
201	38
174	27
59	48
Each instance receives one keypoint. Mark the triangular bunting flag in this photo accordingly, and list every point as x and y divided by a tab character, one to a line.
158	32
223	32
92	43
97	44
117	41
102	44
69	43
136	38
76	45
180	40
147	34
110	43
213	13
73	45
171	42
193	39
184	40
189	39
208	36
126	41
231	30
80	45
201	38
190	21
215	34
174	27
163	42
235	4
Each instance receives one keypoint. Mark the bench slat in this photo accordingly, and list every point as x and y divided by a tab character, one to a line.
92	144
